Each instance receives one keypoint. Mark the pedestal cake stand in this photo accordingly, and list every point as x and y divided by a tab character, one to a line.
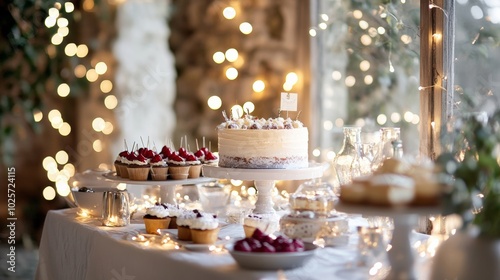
401	256
264	180
167	187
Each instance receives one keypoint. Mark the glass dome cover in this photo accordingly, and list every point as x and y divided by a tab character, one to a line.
315	196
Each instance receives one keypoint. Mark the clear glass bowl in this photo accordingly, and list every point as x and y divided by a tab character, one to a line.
318	197
310	226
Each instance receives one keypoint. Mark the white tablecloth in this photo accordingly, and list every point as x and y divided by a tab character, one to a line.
75	248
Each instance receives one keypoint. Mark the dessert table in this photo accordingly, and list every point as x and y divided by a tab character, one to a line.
76	248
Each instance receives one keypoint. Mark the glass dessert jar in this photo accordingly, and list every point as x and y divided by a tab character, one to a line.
310	226
315	196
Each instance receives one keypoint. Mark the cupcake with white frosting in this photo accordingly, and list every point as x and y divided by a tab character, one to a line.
174	212
254	221
184	221
204	229
156	218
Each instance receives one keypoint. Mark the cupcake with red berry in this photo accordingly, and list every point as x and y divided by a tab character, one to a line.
156	218
177	167
158	168
206	156
194	165
138	169
121	165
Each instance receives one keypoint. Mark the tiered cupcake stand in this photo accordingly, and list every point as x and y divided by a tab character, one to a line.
167	187
402	255
264	180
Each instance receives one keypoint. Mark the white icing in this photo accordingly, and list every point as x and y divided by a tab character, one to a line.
174	210
186	218
256	221
205	222
157	211
138	162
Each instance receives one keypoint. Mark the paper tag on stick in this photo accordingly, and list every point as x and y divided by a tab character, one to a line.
288	101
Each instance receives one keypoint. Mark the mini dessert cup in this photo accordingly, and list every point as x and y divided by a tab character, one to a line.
138	173
194	171
123	170
118	168
154	224
159	173
184	233
179	172
173	223
207	236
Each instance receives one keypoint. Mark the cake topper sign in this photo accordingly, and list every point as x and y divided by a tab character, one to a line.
288	101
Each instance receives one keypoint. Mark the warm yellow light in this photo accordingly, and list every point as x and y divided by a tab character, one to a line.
365	40
98	124
88	5
312	32
80	71
54	114
110	102
324	17
437	36
381	30
350	81
65	129
82	50
339	122
372	31
287	86
229	12
258	86
50	21
101	68
62	157
292	78
49	163
49	193
70	49
214	102
63	31
106	85
408	116
53	12
322	26
336	75
231	55
236	183
51	51
381	119
108	128
316	152
69	7
368	79
62	22
406	39
246	28
92	75
237	111
357	14
56	39
63	90
363	24
62	188
248	107
37	115
327	125
218	57
70	168
415	119
97	145
364	65
56	122
231	73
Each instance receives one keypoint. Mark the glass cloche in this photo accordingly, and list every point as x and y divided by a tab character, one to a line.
315	196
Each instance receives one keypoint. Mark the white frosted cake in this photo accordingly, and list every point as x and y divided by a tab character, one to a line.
259	143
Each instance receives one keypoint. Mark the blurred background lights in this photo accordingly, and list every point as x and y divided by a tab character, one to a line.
63	90
63	189
49	163
395	117
37	115
106	86
357	14
248	107
97	145
364	65
53	12
62	157
236	183
82	50
316	152
231	55
65	129
246	28
214	102
237	111
322	25
368	79
69	7
70	49
110	102
229	12
258	86
327	125
80	71
324	17
336	75
366	40
62	22
56	39
92	75
381	119
49	193
292	78
98	124
108	128
287	86
312	32
50	22
101	68
363	24
54	113
231	73
350	81
408	116
339	122
63	31
381	30
218	57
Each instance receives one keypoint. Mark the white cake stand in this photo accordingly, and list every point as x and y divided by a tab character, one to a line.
167	187
401	256
264	180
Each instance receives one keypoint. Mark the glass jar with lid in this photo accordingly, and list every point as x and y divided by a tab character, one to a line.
315	196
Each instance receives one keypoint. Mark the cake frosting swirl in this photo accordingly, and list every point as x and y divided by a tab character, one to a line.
157	211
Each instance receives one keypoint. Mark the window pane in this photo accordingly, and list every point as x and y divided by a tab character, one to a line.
366	66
